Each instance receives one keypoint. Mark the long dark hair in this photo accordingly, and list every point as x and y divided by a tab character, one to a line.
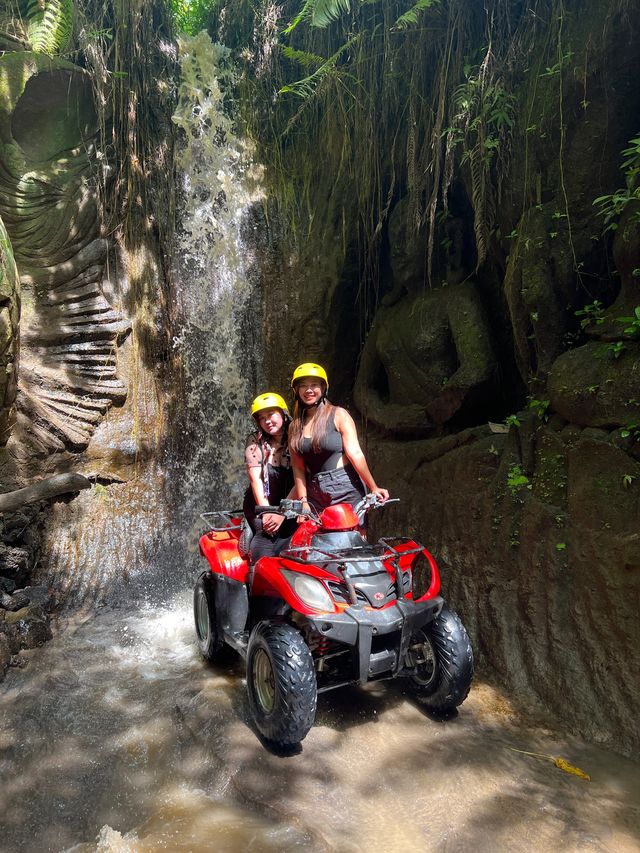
319	425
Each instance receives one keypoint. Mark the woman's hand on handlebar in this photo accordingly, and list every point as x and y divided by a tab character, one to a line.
271	522
381	494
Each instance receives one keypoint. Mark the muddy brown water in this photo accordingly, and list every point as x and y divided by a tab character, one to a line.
117	737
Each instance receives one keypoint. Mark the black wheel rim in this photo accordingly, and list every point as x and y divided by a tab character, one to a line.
264	681
423	659
202	615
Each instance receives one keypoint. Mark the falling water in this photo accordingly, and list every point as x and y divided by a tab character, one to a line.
221	185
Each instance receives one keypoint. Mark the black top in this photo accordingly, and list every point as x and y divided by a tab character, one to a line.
330	453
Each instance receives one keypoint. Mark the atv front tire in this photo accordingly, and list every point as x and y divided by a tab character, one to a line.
442	658
281	682
210	643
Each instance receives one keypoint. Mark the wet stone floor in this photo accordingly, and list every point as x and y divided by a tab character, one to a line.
117	737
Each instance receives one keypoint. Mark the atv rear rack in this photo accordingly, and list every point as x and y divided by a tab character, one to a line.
223	519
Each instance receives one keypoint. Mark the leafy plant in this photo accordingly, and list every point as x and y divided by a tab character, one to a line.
319	13
512	420
517	479
617	349
627	480
540	407
611	206
192	16
630	431
306	87
49	24
632	323
591	314
411	16
561	546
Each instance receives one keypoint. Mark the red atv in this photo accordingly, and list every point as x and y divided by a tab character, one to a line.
333	609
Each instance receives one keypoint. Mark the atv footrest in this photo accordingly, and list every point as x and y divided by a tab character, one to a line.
238	640
382	661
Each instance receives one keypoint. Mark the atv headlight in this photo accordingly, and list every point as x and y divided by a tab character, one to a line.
309	590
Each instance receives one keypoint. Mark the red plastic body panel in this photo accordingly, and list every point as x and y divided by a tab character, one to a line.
302	537
220	548
269	581
339	517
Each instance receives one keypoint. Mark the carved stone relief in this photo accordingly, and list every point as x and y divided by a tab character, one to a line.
49	174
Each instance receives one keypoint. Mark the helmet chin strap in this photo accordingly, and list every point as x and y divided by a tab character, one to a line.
319	402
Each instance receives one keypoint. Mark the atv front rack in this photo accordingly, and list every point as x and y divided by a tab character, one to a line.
222	519
343	555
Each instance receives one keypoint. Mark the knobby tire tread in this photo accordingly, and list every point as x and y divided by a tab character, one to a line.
212	646
454	655
295	682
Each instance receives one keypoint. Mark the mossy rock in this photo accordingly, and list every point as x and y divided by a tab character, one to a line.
589	386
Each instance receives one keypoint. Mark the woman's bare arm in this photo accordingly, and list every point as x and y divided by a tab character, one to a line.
352	450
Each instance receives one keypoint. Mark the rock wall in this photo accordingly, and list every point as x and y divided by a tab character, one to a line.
499	402
83	302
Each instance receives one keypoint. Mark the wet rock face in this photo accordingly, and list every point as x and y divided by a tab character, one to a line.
544	574
428	359
536	530
9	331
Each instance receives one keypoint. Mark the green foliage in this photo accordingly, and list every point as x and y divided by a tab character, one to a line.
319	13
627	480
512	420
632	323
561	546
517	479
631	431
592	314
540	407
411	17
192	16
482	125
617	349
306	87
49	24
612	206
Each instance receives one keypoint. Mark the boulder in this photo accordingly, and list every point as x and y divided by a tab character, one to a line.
5	655
39	595
588	386
32	624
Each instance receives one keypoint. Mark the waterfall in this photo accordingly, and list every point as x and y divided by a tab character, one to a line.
219	183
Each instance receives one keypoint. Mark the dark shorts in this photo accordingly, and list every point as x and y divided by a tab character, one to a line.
263	545
340	486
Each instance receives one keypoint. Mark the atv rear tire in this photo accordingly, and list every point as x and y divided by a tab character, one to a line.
210	642
442	654
281	681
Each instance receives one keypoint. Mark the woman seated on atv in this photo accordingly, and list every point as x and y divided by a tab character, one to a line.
270	476
329	466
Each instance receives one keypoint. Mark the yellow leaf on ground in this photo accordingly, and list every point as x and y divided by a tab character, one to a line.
569	768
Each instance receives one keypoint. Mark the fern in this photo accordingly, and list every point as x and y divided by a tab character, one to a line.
319	13
306	87
302	57
411	16
49	24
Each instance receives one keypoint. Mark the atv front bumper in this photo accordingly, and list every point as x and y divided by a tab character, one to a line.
380	637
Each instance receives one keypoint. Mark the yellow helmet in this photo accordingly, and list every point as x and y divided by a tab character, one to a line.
270	400
309	369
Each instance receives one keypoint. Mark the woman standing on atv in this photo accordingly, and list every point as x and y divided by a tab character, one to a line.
270	475
329	466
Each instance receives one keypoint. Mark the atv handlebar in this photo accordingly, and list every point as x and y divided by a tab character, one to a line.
371	501
295	509
290	509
